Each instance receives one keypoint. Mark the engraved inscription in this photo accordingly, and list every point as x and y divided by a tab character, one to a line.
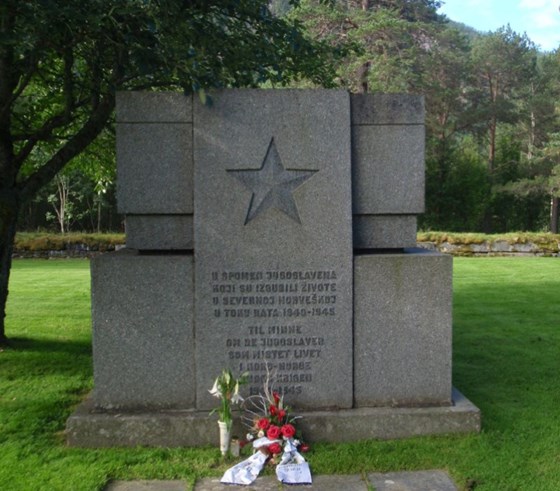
272	185
272	308
274	294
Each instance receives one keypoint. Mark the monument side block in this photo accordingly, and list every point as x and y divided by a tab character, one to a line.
273	262
391	179
384	231
387	109
387	169
159	232
155	169
155	107
402	338
142	313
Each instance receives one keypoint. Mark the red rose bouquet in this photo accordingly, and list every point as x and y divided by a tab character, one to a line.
275	439
270	424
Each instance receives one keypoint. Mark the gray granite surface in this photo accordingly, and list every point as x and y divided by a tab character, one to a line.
272	191
89	427
402	329
153	107
147	485
142	313
154	168
433	480
387	109
273	258
384	231
159	232
388	169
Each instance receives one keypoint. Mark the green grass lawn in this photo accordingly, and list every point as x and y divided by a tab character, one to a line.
506	360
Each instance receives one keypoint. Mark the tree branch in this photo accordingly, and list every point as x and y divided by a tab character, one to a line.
68	89
89	131
20	86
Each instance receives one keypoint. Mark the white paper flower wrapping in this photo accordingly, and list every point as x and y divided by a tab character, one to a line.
293	469
245	472
294	473
264	442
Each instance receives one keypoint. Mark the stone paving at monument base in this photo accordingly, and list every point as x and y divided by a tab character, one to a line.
90	427
430	480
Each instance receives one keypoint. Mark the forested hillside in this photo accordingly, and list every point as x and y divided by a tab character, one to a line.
493	132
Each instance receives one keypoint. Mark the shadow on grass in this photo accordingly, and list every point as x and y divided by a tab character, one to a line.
40	381
29	357
49	345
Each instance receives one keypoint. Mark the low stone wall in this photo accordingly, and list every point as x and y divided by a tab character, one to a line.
495	248
75	251
485	248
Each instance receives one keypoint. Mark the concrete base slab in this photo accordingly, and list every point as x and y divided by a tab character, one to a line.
91	428
412	481
270	483
143	485
432	480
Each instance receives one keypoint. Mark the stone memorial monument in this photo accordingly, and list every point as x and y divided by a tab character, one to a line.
272	231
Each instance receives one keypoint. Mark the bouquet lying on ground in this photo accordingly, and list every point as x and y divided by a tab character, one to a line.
275	439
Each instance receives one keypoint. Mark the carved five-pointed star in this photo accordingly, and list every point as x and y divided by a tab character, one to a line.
272	185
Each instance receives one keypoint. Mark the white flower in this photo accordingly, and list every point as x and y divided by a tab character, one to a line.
249	437
236	398
215	391
260	434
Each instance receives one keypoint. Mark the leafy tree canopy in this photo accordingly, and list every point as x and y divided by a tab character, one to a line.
61	59
385	41
61	62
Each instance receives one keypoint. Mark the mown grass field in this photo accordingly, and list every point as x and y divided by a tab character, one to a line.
506	360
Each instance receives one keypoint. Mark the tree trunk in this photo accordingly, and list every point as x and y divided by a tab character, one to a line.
61	207
532	131
363	72
9	207
363	75
492	145
99	214
554	202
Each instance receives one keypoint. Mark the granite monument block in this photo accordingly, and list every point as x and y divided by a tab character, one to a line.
273	262
143	348
155	169
387	169
272	233
402	335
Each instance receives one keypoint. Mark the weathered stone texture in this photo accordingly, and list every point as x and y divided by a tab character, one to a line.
402	329
159	232
142	313
304	230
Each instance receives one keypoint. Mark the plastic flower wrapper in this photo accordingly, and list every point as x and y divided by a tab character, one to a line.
226	388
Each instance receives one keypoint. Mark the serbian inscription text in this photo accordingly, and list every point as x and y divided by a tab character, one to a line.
273	309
